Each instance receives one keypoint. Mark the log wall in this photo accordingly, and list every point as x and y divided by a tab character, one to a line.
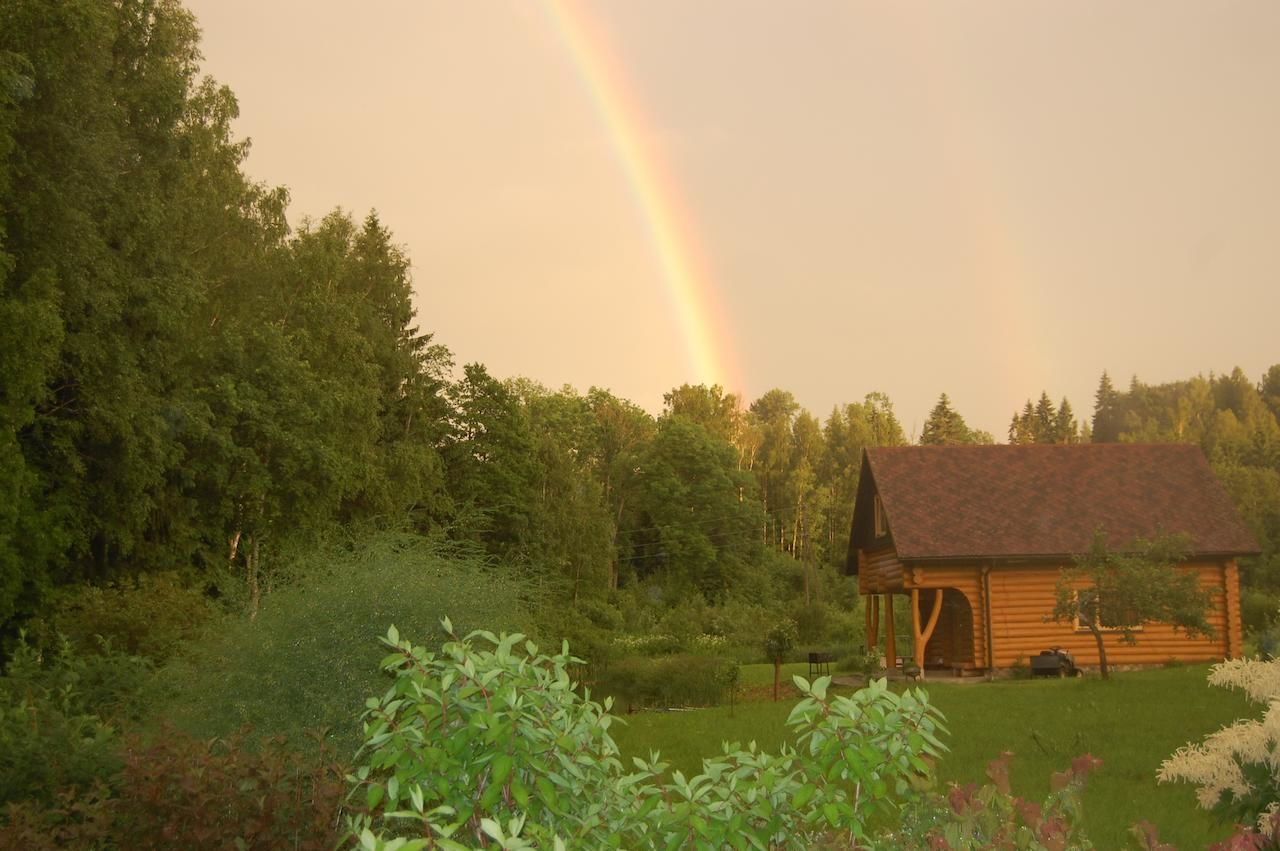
879	571
1022	597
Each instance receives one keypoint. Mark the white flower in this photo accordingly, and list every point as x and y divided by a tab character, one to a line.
1215	765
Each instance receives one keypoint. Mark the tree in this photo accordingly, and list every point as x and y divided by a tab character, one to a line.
1270	389
491	464
699	515
1109	591
1065	427
1106	412
772	417
623	431
1043	423
849	430
778	642
945	427
710	407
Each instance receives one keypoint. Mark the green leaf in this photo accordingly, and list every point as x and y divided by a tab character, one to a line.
803	795
500	769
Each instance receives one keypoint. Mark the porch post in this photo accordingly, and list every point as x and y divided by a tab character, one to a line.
871	609
922	635
890	647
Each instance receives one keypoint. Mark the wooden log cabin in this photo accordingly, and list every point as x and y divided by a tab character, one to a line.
975	537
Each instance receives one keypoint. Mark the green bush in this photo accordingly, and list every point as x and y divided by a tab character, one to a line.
60	718
179	793
1258	609
859	660
301	665
488	745
669	681
150	615
991	816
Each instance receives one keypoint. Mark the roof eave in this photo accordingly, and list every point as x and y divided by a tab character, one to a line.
1024	557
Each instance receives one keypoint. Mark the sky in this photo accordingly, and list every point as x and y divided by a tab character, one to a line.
987	199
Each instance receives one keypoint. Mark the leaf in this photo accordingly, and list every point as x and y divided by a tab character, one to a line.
374	796
500	769
803	795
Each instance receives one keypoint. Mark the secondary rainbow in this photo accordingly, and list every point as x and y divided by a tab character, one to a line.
684	273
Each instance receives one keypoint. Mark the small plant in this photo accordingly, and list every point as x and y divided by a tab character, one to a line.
991	816
860	661
1020	670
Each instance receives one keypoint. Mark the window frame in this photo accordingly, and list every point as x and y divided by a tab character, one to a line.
1082	626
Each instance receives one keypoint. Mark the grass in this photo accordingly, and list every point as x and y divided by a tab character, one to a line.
1132	722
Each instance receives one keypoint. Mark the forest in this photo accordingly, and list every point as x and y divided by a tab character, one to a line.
219	429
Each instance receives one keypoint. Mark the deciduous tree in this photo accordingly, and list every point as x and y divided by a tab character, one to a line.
1119	591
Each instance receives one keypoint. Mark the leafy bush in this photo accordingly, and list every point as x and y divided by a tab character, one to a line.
299	665
683	680
1258	610
150	615
488	745
991	816
860	660
195	795
60	716
1237	769
75	818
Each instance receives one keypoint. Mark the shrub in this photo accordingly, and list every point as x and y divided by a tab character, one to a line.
1237	769
991	816
149	615
683	680
1258	610
181	793
186	793
60	716
859	661
299	665
487	744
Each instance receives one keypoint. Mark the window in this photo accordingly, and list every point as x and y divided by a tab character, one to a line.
1107	620
882	523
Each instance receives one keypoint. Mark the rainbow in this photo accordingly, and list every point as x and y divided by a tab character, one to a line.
689	285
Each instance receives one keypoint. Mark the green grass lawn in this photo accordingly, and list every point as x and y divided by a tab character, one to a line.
1132	722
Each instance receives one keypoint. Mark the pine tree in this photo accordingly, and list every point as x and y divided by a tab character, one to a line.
945	427
1065	427
1106	412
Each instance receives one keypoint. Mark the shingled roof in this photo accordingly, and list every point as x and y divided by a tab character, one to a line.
1009	502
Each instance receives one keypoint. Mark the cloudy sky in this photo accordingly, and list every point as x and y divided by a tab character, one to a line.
985	198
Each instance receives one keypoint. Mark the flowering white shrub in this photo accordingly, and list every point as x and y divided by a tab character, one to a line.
1238	767
707	641
643	644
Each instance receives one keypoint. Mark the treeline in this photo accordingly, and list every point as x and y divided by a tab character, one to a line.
1237	423
188	383
182	378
